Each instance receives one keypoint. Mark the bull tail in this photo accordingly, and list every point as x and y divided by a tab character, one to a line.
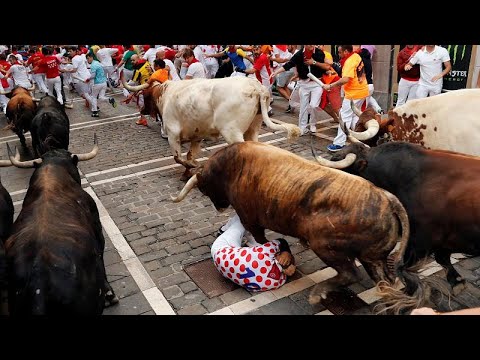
292	130
417	291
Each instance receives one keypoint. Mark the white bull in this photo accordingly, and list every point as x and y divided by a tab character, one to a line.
449	121
193	110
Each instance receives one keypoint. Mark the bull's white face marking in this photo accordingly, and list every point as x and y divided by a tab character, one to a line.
37	291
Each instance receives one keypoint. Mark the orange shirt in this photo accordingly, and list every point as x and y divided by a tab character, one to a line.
357	86
160	75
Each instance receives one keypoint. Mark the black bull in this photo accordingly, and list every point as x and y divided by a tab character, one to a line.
439	190
50	127
341	217
6	221
55	251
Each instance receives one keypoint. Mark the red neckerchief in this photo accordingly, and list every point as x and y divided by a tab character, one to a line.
282	47
342	60
308	54
193	61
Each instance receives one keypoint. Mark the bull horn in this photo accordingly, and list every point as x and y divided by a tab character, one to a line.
372	129
32	88
21	164
135	88
355	110
353	139
5	92
91	154
186	189
4	163
347	132
341	164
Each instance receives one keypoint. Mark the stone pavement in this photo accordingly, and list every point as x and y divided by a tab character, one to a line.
157	252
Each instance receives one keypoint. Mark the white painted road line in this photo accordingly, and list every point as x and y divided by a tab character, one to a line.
166	167
84	126
162	159
153	295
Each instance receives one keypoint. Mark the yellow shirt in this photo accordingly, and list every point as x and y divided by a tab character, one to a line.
328	56
357	86
143	74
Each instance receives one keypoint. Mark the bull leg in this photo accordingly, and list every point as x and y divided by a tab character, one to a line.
191	155
22	138
194	151
378	270
252	133
110	297
174	142
343	265
456	281
35	147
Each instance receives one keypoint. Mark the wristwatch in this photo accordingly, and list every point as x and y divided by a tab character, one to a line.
314	62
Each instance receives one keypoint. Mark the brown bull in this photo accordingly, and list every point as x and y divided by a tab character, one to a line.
20	112
342	217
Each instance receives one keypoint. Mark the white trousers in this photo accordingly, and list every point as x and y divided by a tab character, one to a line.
425	90
57	84
98	90
349	118
407	90
310	94
233	235
371	100
40	81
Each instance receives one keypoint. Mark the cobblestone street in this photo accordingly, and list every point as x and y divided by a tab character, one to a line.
157	251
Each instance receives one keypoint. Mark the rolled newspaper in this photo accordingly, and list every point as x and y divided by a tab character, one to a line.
314	78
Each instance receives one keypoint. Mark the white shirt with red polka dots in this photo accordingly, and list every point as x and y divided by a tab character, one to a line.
254	268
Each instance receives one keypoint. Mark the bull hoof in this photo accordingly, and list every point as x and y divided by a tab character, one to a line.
110	298
459	287
314	299
186	176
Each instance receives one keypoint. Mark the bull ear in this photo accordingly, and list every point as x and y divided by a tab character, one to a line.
75	160
361	165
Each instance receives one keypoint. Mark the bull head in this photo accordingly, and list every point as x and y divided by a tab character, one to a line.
15	160
372	125
349	158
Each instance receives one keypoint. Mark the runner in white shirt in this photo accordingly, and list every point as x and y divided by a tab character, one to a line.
151	53
80	74
173	70
198	53
195	68
18	73
211	63
104	56
430	59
